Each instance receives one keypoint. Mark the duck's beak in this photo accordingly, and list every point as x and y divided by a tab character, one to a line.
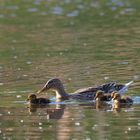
42	90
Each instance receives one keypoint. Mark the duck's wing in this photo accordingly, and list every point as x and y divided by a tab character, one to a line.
110	87
85	90
124	89
85	93
113	86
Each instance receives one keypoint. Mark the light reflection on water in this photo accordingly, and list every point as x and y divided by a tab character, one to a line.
67	122
121	7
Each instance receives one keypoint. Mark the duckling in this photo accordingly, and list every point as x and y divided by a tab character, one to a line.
121	101
32	98
103	96
100	98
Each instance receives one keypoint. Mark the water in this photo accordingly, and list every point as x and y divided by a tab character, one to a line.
84	43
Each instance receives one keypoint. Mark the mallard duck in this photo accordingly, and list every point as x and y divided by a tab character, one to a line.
32	98
82	94
119	101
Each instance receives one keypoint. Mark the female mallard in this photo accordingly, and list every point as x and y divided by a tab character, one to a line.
82	94
32	98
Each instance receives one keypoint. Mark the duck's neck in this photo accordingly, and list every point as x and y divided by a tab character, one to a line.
61	94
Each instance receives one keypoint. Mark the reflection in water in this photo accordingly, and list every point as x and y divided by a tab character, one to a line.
51	113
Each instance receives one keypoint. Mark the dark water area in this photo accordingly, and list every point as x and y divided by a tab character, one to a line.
83	43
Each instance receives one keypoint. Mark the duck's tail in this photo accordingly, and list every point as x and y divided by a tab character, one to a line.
125	88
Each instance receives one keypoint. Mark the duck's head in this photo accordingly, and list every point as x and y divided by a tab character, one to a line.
31	97
99	94
53	84
116	96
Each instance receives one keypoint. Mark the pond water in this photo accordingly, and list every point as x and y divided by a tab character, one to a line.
82	42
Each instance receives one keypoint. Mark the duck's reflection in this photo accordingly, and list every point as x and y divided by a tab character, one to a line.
55	112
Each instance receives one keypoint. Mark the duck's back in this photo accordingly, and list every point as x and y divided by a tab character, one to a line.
90	92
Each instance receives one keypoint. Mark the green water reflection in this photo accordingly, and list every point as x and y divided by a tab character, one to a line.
84	43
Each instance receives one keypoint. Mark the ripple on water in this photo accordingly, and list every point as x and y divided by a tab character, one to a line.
2	16
57	10
73	13
31	10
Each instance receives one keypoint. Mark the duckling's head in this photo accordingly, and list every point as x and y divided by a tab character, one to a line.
31	97
116	96
113	94
99	94
53	84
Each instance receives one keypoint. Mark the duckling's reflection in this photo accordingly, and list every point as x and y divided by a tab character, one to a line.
52	113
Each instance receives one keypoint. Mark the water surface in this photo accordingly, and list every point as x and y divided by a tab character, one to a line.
84	43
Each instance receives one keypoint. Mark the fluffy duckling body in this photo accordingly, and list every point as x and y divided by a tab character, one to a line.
32	98
100	99
121	101
82	94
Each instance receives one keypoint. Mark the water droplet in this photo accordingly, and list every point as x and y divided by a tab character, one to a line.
106	78
18	96
129	128
77	123
28	62
40	123
21	121
1	84
15	57
40	128
9	112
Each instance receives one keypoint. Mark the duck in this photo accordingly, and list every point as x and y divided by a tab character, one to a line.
32	98
89	93
119	101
